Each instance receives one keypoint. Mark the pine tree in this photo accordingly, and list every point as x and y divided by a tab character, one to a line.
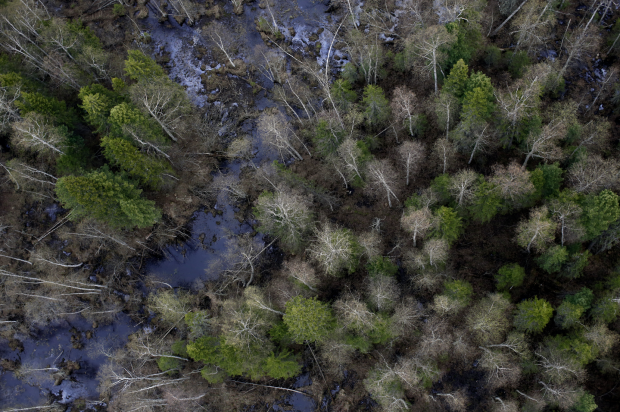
533	315
147	169
308	320
376	106
140	67
107	197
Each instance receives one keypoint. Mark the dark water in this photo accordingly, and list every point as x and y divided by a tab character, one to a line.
52	347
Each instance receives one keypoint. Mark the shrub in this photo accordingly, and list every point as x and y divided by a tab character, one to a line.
509	276
381	266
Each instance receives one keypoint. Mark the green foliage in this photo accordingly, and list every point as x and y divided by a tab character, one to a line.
400	61
510	276
138	66
477	105
381	266
456	81
10	80
576	347
107	197
198	323
179	348
568	314
604	310
97	101
518	64
547	179
493	56
381	331
449	224
147	169
55	110
468	41
440	186
119	86
86	35
585	403
342	93
119	10
613	41
168	364
459	291
126	117
360	343
281	366
308	319
486	202
583	298
575	265
76	157
599	212
552	260
279	334
376	106
349	73
326	139
533	315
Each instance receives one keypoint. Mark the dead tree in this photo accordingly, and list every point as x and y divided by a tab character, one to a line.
277	132
223	38
417	223
382	178
412	154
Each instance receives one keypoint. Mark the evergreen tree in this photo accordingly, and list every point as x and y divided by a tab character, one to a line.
449	226
533	315
147	169
376	106
308	320
140	67
599	212
107	197
509	276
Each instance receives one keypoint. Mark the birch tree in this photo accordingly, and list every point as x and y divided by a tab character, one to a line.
473	138
335	249
427	49
534	24
444	152
514	184
536	232
581	43
35	132
412	154
404	104
8	110
223	38
286	216
382	178
417	223
353	158
567	212
544	144
278	134
593	174
166	102
461	186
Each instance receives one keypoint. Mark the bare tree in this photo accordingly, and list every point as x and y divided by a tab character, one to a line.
514	184
533	26
436	251
354	313
427	49
223	37
592	174
35	132
447	110
412	154
583	41
302	272
351	155
444	152
382	178
166	102
8	110
366	51
417	222
594	136
473	137
537	232
461	186
285	215
489	319
544	144
404	104
240	263
522	98
383	292
334	249
277	132
502	368
567	213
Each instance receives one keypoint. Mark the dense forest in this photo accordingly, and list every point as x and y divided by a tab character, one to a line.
432	194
